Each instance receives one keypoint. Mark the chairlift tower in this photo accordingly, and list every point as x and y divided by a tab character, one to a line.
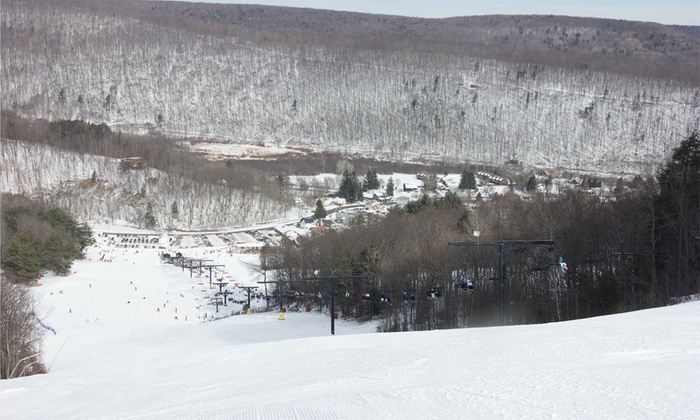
248	289
225	294
278	289
331	280
221	285
217	301
208	266
193	263
500	247
221	292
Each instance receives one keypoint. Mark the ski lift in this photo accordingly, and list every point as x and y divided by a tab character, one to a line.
435	292
366	297
465	285
409	296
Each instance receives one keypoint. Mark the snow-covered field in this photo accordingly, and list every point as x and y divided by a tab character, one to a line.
132	342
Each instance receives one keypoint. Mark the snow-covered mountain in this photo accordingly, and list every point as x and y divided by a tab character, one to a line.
74	63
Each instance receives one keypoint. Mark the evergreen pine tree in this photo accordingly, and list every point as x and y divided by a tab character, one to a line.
60	250
63	223
320	211
678	218
149	219
472	180
23	255
27	253
531	184
371	181
682	172
390	187
350	187
467	181
281	179
463	183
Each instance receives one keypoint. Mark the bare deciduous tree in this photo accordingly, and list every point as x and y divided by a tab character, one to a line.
20	334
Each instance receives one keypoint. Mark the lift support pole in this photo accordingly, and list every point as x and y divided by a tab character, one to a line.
249	290
500	246
331	280
278	289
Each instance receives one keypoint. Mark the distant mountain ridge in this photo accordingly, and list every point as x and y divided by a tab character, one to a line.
537	39
552	91
690	30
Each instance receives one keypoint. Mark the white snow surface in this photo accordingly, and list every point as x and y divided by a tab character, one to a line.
119	353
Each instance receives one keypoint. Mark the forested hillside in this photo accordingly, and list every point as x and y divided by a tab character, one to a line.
584	94
97	188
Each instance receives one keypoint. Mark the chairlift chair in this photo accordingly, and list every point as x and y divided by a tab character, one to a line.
465	285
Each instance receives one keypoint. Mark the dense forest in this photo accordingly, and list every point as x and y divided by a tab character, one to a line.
548	91
79	167
35	238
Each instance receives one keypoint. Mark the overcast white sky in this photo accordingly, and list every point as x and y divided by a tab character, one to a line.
678	12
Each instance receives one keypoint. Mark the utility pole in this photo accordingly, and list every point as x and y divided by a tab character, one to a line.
500	247
331	280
